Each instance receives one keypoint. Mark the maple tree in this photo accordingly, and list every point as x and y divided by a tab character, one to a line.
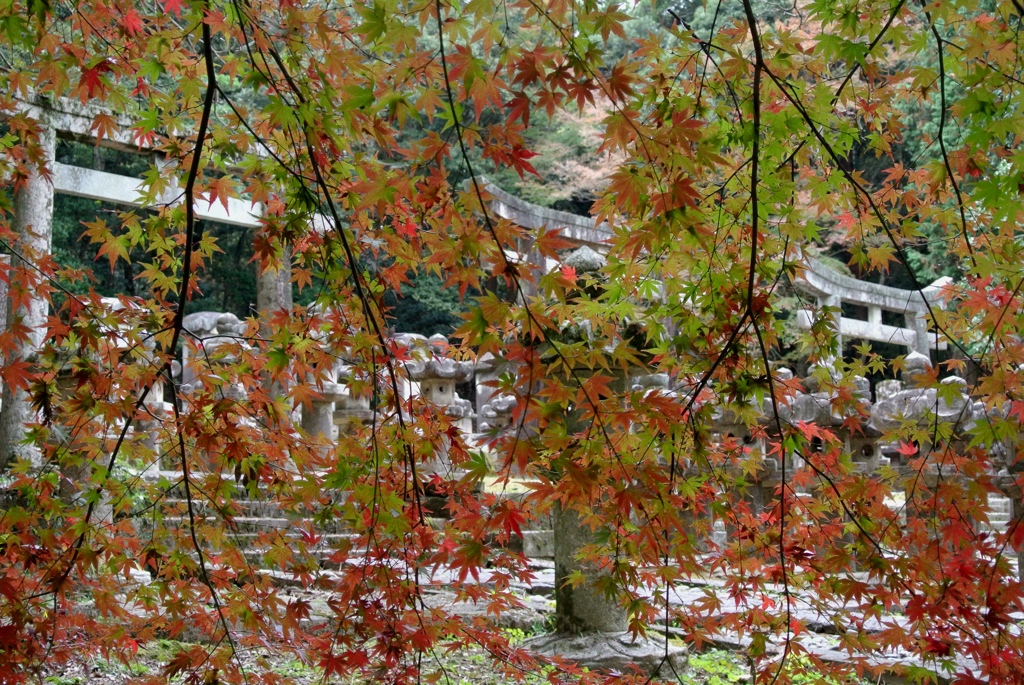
361	131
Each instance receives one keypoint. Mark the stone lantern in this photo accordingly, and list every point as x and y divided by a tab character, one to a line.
214	334
908	402
437	375
349	410
496	414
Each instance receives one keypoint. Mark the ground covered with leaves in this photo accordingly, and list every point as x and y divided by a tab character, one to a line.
463	667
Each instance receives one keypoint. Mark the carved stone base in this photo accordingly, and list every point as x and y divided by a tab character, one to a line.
614	652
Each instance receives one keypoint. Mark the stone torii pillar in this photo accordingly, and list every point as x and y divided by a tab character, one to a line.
33	224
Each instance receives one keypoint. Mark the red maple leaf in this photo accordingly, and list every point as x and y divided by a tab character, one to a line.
133	23
173	7
937	646
907	449
91	81
519	107
406	228
518	161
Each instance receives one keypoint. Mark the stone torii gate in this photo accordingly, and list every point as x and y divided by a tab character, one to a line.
832	289
33	223
829	287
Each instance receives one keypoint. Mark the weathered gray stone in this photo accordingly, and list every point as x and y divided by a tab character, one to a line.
539	544
33	225
915	364
496	414
584	608
209	324
212	331
580	229
274	291
584	260
832	289
533	612
923	405
318	419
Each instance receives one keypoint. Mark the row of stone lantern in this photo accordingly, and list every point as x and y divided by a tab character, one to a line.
433	375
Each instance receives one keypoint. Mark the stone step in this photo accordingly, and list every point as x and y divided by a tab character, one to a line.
319	541
1000	502
255	524
239	507
1000	513
539	544
719	533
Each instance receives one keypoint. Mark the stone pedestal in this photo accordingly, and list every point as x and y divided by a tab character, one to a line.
351	411
318	417
161	412
615	652
590	627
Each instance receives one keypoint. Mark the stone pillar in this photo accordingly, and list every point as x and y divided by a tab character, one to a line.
160	413
919	322
591	628
1016	519
5	261
33	224
318	417
274	291
487	370
581	609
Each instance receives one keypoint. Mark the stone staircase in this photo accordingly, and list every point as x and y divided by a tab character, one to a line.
255	527
259	528
1000	513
